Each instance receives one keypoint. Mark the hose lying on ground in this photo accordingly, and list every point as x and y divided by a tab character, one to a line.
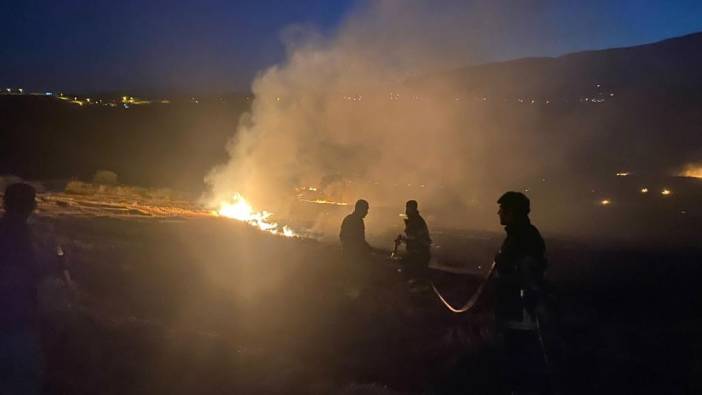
473	300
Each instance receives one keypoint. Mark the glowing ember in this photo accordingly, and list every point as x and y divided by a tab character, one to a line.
666	192
240	210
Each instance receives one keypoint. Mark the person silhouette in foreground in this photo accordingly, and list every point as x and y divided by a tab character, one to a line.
520	265
417	243
20	273
20	351
353	233
356	250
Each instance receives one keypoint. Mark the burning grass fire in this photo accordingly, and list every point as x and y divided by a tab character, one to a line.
692	170
322	201
241	210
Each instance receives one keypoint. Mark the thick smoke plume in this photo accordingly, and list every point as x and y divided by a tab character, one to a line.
359	114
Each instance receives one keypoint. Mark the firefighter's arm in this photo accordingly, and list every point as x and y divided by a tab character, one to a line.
531	287
527	267
421	236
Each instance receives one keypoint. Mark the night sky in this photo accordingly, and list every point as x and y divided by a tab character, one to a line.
213	45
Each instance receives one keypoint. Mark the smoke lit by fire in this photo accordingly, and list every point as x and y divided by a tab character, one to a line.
339	116
376	110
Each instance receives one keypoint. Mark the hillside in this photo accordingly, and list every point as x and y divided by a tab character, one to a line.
665	68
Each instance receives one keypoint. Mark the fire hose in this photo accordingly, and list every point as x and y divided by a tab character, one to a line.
537	329
473	300
470	303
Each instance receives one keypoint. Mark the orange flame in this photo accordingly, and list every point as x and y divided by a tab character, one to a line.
241	210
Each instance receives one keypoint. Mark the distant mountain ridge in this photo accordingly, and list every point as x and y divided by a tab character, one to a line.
671	66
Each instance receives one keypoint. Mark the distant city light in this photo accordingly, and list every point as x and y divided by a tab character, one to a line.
666	192
605	202
644	190
623	174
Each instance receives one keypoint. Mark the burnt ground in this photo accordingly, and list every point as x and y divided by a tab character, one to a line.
214	306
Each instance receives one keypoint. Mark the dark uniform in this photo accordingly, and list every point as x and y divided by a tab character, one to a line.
520	267
20	351
353	238
19	278
418	244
